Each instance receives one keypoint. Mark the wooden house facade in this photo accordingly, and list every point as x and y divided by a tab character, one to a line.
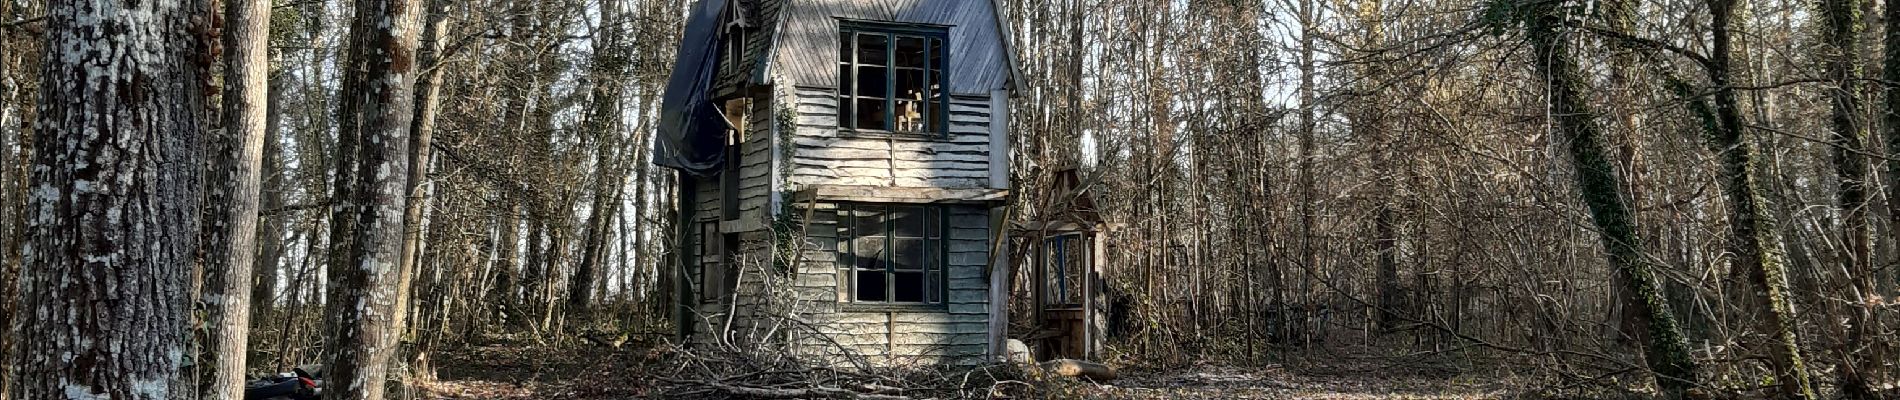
847	207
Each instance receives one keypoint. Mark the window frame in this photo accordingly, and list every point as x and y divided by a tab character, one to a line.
712	240
847	96
935	270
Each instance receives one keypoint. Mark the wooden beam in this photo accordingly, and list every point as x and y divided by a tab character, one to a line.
910	195
999	286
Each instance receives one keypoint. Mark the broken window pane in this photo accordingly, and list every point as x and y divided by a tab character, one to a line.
845	82
870	113
874	49
845	45
911	52
871	81
890	253
871	285
908	287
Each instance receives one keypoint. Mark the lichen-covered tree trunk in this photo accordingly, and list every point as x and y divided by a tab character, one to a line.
1755	240
231	230
1667	352
1840	34
360	318
113	218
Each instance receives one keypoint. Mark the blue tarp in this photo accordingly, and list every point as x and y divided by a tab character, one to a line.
692	132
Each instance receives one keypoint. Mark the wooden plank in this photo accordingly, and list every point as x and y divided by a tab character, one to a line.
913	195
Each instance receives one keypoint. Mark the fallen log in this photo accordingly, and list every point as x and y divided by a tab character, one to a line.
1079	368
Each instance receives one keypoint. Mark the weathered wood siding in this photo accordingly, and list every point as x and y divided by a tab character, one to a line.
755	172
758	43
824	155
807	49
956	332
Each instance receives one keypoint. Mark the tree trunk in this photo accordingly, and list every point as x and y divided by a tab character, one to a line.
114	219
1756	242
236	167
1840	35
428	90
1667	352
360	318
270	251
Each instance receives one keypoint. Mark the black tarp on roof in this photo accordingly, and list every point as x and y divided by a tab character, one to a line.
692	131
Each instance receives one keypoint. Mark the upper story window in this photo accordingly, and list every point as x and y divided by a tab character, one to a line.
891	78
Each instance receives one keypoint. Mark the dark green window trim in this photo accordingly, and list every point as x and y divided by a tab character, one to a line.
934	238
934	72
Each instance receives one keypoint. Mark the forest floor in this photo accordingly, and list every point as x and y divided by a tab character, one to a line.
515	373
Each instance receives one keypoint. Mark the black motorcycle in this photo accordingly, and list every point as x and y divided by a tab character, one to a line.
299	384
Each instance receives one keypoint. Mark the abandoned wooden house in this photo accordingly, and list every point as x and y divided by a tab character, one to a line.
841	167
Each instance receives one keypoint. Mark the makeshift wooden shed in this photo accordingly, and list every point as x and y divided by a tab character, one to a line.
1064	251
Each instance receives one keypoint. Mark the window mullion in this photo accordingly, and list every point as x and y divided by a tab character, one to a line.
890	82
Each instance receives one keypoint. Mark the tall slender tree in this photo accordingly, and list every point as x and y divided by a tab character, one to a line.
360	318
1667	352
236	154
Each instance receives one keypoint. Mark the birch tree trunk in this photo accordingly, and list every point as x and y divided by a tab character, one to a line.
113	220
236	153
360	319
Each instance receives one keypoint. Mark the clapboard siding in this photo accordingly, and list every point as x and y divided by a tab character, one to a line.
956	333
755	183
826	156
796	40
807	47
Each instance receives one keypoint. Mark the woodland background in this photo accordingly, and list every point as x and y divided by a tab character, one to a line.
1445	185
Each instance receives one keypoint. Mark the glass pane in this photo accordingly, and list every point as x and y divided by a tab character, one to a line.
873	49
869	221
932	254
870	113
908	287
908	222
931	222
910	84
936	119
870	253
910	117
872	81
936	53
871	285
845	82
844	46
910	51
932	286
909	254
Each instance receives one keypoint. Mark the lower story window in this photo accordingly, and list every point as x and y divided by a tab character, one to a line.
890	253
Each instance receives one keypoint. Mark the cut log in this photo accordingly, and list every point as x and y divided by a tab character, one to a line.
1019	352
1079	368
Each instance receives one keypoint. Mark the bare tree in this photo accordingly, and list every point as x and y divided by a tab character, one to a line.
360	318
236	153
